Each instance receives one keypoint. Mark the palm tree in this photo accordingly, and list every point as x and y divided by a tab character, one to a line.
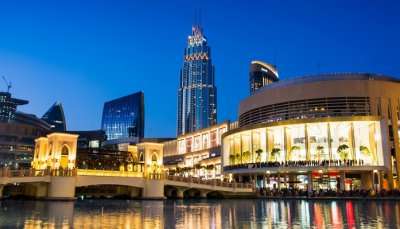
210	167
293	149
238	158
343	151
364	150
259	152
275	153
246	156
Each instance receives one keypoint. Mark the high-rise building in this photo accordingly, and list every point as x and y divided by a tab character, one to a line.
8	106
18	132
197	94
55	117
261	74
124	117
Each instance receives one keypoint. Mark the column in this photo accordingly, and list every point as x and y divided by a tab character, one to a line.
381	179
309	183
366	180
279	181
329	142
286	177
62	188
342	181
395	127
308	154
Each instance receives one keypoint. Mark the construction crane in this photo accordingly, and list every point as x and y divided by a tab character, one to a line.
8	84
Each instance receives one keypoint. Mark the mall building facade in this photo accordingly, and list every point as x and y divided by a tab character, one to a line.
196	154
325	132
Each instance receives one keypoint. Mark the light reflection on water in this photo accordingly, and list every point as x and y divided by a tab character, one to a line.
200	214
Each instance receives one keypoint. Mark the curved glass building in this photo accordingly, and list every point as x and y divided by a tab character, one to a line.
334	131
55	117
197	94
261	74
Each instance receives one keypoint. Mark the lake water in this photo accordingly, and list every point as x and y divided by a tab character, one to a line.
253	213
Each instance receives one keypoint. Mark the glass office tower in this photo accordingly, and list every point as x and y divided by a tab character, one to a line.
55	117
197	94
124	117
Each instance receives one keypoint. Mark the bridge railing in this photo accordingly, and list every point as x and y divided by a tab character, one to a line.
214	182
23	173
5	172
109	173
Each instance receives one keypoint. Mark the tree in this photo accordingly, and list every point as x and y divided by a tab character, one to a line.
275	152
197	166
259	152
364	150
343	151
293	149
246	156
238	158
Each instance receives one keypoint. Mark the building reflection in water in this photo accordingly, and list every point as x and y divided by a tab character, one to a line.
214	214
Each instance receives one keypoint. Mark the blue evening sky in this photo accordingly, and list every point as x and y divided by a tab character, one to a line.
83	53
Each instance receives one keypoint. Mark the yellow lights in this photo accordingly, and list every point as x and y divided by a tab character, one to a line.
318	140
108	173
55	151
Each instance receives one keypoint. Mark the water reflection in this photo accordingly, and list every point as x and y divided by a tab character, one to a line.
200	214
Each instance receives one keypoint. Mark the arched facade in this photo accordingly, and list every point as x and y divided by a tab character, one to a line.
57	150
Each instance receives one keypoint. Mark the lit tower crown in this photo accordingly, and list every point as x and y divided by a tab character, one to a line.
197	94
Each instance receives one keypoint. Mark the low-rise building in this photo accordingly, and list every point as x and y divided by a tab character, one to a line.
197	154
330	132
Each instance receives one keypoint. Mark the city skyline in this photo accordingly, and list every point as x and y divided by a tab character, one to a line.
77	54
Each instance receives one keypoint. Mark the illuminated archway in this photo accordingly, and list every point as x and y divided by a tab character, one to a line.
64	157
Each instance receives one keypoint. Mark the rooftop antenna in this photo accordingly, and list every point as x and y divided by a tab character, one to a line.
8	83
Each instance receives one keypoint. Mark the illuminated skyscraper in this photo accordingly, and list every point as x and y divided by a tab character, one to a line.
197	94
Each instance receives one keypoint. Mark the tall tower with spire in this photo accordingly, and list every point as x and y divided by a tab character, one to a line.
197	93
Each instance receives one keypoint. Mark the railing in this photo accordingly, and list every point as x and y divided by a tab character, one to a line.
5	172
308	164
155	176
109	173
219	183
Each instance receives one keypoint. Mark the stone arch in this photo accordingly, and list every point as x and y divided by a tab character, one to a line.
64	157
109	191
65	150
154	158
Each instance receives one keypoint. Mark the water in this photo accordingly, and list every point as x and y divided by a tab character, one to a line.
200	214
